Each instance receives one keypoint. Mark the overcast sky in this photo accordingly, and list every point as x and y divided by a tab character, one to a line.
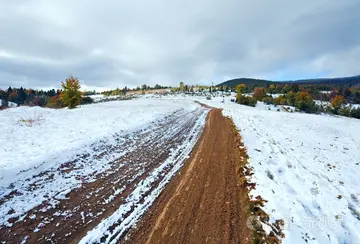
113	43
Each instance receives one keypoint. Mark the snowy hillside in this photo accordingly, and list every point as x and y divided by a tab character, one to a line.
307	167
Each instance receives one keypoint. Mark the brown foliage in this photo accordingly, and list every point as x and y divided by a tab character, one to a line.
337	101
259	93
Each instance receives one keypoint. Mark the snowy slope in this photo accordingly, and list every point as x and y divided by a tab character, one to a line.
303	164
57	135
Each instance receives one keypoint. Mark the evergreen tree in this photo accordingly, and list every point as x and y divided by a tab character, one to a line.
144	87
295	88
52	93
21	96
182	86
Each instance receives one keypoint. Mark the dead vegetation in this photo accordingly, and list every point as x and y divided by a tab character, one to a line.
36	119
256	215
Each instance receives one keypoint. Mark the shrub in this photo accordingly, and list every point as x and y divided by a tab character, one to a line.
71	95
280	100
33	100
286	89
337	101
304	102
268	100
355	113
272	89
290	98
242	88
86	100
249	101
345	111
259	93
55	102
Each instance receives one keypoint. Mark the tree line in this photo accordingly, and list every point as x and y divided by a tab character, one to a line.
69	96
123	91
338	101
29	97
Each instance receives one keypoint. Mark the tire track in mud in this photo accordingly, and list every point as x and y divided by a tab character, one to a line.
206	202
134	168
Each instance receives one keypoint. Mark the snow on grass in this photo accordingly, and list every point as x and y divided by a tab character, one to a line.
63	136
62	132
307	167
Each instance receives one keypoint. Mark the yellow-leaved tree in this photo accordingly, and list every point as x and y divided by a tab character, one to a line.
337	101
71	96
242	88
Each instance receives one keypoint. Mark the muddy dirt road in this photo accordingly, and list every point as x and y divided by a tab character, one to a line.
206	202
149	192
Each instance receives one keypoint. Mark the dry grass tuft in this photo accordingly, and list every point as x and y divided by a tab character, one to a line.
36	119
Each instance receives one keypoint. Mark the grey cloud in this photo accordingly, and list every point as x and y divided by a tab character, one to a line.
111	43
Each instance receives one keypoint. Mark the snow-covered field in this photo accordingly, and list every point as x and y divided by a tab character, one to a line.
42	161
58	134
307	167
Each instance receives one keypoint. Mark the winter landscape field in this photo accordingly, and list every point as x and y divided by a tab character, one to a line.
179	122
78	165
64	150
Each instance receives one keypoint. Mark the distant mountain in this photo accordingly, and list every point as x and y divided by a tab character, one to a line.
352	81
245	81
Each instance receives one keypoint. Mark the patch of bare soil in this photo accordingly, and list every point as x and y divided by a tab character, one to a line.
208	202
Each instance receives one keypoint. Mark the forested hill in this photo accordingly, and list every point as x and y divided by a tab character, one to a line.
246	81
352	81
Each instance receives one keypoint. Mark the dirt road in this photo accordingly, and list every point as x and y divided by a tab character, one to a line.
206	202
148	191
